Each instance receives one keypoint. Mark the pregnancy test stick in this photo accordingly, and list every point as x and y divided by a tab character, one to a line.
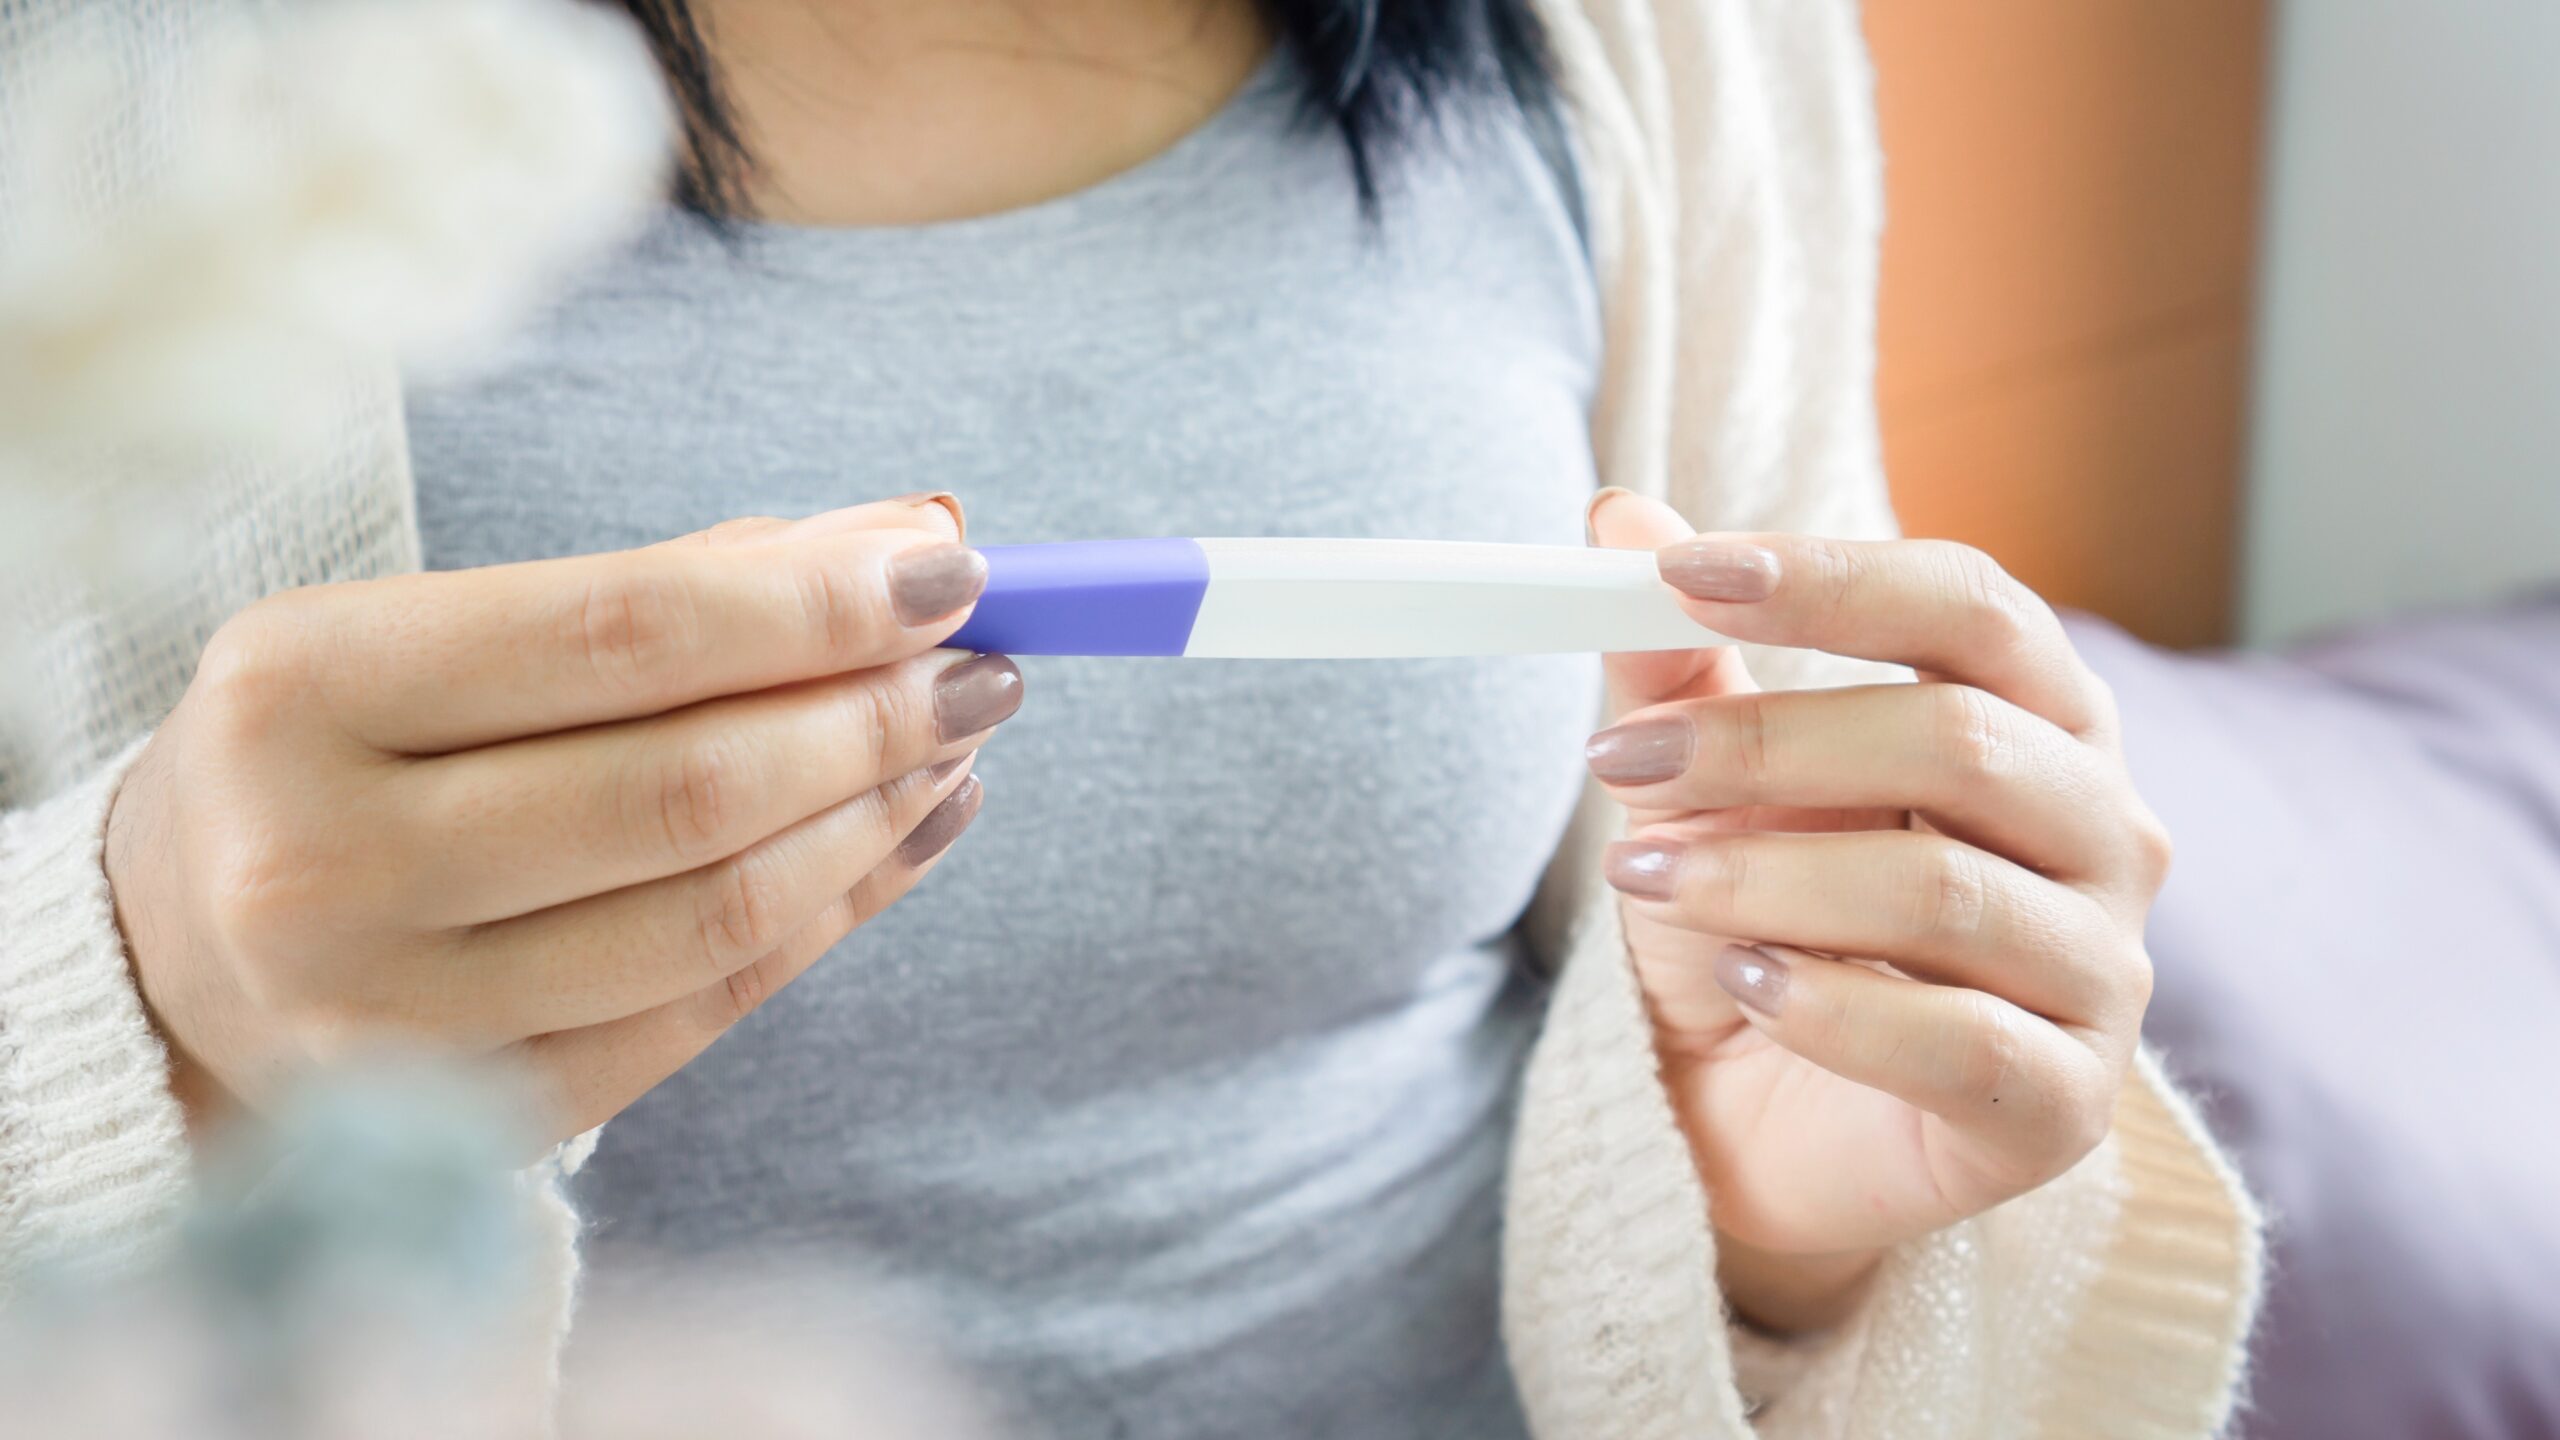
1322	599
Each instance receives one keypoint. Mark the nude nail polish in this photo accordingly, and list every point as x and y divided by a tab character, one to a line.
931	581
943	824
1642	752
1713	568
1644	869
1755	978
975	695
942	770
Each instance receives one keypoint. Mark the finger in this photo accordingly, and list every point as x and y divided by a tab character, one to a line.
1975	766
1931	906
2037	1095
589	1074
936	510
1623	520
1944	609
613	955
425	664
534	823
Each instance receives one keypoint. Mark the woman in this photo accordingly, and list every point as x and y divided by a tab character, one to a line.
1192	1099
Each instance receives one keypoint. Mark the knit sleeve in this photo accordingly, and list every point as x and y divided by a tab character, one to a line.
93	1150
2111	1302
1738	203
95	1164
2114	1301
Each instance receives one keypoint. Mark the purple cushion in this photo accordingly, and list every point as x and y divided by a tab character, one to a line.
2359	970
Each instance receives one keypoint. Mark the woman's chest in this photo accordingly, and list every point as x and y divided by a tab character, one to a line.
1307	840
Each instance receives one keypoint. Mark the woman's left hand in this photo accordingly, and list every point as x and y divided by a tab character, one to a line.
1891	935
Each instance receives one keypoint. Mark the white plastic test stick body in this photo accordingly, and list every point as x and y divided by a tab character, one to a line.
1278	599
1322	599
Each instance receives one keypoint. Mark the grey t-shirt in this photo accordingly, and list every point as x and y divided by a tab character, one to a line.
1176	1100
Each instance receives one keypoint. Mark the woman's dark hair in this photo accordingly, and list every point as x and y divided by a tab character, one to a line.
1374	70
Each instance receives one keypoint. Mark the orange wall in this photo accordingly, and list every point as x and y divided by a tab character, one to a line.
2070	212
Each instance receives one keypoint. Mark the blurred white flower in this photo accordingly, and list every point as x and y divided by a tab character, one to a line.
359	181
784	1346
361	1267
353	1266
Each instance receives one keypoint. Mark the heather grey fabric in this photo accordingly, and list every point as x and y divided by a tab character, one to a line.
1177	1098
2359	973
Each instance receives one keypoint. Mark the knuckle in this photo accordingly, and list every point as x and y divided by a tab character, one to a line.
2139	981
693	798
1846	1024
631	626
1952	898
2154	850
260	888
2002	614
301	996
846	913
1748	737
1840	570
1733	880
892	712
2106	713
1990	1055
337	1022
746	990
1974	736
741	914
2084	1130
841	609
251	669
2084	1117
324	1030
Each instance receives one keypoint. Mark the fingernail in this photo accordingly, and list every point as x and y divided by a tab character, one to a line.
1645	869
975	694
944	498
1591	512
937	773
1642	752
1710	568
1755	978
942	824
931	581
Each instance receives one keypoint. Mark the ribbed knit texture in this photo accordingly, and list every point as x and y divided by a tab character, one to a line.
1735	203
93	1160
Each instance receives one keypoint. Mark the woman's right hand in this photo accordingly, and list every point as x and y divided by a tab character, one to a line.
582	814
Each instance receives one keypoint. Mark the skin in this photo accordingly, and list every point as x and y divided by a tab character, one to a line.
502	835
627	836
1951	876
578	816
904	112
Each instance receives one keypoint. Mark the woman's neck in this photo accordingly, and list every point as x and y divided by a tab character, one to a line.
901	112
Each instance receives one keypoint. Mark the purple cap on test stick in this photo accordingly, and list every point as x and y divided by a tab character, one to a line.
1088	597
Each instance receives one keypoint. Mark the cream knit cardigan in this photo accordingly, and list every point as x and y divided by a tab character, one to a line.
1731	157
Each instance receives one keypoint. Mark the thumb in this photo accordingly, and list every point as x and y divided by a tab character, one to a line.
1623	520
